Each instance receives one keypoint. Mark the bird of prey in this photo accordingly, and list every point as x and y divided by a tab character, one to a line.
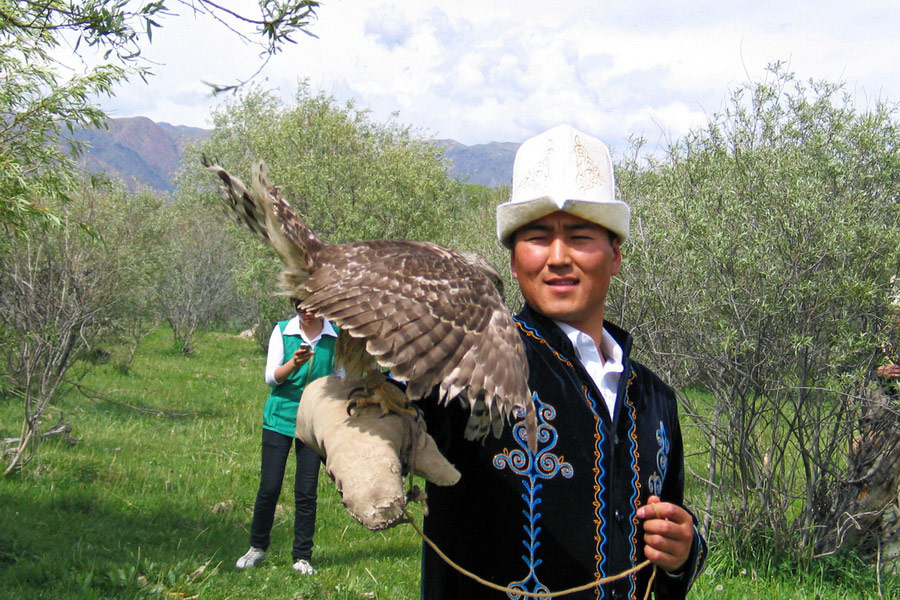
430	315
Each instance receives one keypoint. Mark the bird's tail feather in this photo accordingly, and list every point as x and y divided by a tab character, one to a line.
240	205
485	418
531	429
291	233
267	214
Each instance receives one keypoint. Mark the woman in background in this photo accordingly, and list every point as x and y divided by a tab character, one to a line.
301	349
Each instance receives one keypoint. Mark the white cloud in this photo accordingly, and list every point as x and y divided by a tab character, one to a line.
502	71
388	26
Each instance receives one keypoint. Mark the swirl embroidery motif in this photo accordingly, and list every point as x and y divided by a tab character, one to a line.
540	173
662	460
588	174
533	468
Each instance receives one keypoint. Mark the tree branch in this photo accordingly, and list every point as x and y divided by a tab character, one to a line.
95	395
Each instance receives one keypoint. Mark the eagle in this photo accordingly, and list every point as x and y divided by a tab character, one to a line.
431	316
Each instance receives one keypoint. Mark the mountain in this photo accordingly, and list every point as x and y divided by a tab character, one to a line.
137	149
488	164
145	153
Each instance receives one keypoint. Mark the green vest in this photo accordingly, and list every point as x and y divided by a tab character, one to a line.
280	413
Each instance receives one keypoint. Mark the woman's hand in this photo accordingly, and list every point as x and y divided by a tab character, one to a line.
888	371
301	356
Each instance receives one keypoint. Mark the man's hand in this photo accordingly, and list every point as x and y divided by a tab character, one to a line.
668	533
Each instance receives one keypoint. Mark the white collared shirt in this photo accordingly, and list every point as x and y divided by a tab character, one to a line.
605	373
275	355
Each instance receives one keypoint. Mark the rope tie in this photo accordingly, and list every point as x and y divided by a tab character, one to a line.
508	590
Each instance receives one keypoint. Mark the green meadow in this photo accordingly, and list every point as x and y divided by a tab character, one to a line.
154	499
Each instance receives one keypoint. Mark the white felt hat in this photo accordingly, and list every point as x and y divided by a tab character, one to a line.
563	169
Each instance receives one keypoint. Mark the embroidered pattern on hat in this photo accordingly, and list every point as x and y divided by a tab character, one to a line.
588	174
540	172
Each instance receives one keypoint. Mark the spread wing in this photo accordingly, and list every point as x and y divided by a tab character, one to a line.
432	318
429	314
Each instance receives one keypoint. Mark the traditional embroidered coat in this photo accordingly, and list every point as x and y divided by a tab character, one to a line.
566	516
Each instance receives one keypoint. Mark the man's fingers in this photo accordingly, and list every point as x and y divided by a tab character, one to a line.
667	561
649	510
668	533
661	527
669	552
664	510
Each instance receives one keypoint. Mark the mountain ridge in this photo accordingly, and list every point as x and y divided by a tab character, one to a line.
145	153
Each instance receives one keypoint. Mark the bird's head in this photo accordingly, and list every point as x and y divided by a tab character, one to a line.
485	267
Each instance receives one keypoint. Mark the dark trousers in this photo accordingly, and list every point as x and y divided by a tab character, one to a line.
275	450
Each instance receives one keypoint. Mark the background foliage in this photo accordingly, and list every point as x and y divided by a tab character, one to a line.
39	94
60	291
349	177
760	269
757	281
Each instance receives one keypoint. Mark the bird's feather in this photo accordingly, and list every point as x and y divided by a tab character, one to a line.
426	312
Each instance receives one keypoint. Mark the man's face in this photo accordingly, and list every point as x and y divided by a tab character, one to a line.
563	264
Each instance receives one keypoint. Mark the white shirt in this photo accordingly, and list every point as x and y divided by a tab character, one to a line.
605	373
275	355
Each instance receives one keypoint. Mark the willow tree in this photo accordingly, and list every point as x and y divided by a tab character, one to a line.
39	96
759	270
349	176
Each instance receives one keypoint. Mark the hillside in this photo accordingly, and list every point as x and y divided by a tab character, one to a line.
144	153
488	164
138	150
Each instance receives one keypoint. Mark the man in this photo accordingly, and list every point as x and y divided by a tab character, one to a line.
605	489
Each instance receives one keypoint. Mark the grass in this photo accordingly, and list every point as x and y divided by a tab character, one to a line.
158	504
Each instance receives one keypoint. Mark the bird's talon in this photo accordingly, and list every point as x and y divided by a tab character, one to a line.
408	410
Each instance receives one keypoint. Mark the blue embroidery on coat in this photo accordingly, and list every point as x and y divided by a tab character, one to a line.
662	460
543	465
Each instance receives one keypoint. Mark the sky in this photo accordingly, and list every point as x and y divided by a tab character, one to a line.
479	71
